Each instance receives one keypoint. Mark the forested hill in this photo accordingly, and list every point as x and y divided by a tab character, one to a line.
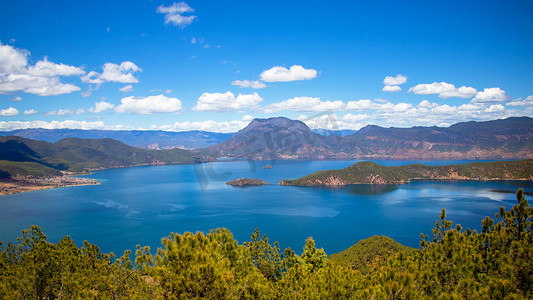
28	157
282	138
372	173
454	263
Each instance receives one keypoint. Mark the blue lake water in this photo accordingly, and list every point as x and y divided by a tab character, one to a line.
142	204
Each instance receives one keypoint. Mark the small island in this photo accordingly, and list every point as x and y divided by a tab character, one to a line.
267	167
366	172
245	182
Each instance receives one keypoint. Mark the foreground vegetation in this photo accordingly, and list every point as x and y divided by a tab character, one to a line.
454	263
366	172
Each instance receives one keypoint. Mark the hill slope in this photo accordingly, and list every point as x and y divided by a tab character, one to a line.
364	251
367	172
73	154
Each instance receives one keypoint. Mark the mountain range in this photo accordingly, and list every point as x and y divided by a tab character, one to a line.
266	139
148	139
282	138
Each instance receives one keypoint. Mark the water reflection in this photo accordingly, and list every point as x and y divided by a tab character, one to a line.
371	189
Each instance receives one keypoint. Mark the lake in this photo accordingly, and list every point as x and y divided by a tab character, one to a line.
142	204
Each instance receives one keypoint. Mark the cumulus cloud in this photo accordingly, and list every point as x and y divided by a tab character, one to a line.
426	104
30	112
226	101
41	79
174	14
444	89
494	94
304	104
397	80
70	124
63	112
49	69
391	88
295	72
249	84
495	108
122	73
522	102
9	112
16	98
100	107
209	125
127	88
363	104
42	86
149	105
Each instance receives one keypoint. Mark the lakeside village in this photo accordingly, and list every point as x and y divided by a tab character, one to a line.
20	183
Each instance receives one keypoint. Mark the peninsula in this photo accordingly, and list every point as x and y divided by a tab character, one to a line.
367	172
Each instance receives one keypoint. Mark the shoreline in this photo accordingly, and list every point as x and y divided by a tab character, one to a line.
17	186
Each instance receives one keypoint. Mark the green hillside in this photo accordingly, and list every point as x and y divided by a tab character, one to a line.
372	173
77	155
25	169
359	255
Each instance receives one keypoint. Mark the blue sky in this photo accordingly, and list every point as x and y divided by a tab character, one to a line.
215	65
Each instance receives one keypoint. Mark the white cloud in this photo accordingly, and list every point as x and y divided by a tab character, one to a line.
42	86
332	122
174	14
127	88
445	90
444	109
402	107
71	124
80	111
13	61
45	68
391	88
100	107
16	98
30	112
399	79
304	104
519	102
9	112
469	107
295	72
495	108
427	104
209	125
363	104
149	105
63	112
494	94
122	73
226	101
41	79
249	84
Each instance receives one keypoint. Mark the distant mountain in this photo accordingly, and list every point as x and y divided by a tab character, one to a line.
282	138
366	172
148	139
273	138
73	154
326	132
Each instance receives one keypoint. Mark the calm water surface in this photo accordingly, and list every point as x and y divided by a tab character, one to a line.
142	204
